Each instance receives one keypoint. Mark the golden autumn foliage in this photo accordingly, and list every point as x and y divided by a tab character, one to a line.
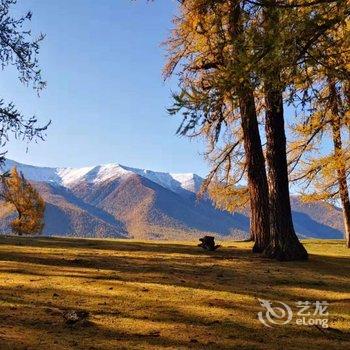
213	59
27	201
239	63
316	164
229	198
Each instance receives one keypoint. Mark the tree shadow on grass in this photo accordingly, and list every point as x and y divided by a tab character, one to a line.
220	333
103	244
167	269
224	271
47	321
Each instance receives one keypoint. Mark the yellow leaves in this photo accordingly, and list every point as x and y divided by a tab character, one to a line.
27	201
314	197
320	174
228	197
327	165
223	46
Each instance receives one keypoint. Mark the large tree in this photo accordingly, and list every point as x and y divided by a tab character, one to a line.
288	32
284	243
341	161
217	93
239	58
324	174
323	93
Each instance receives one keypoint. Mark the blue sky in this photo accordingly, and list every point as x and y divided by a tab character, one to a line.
105	95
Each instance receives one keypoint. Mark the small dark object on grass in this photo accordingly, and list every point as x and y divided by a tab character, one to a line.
74	316
208	243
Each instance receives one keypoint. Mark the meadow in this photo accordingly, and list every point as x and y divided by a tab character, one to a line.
164	295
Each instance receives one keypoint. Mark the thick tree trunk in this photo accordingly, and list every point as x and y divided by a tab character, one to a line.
255	161
257	179
338	152
284	244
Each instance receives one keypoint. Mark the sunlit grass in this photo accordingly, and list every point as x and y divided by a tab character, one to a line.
164	295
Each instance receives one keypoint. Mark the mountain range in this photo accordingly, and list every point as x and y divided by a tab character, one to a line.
113	200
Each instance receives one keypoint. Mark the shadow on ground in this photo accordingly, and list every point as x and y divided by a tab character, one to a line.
162	296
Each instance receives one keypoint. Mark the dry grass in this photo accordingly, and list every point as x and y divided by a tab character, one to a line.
143	295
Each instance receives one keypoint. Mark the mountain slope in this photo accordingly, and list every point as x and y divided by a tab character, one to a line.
146	207
115	200
67	215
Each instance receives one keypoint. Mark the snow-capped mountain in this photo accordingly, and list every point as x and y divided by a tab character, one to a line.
113	200
68	177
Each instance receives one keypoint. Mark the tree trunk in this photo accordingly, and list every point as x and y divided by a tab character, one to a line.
284	244
257	180
255	161
338	152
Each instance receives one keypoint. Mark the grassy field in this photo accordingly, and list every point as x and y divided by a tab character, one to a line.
158	295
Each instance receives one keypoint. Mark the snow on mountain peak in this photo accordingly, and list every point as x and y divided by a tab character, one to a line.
189	181
173	182
67	177
105	172
70	175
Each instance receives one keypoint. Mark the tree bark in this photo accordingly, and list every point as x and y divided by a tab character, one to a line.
255	161
257	179
284	244
338	152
